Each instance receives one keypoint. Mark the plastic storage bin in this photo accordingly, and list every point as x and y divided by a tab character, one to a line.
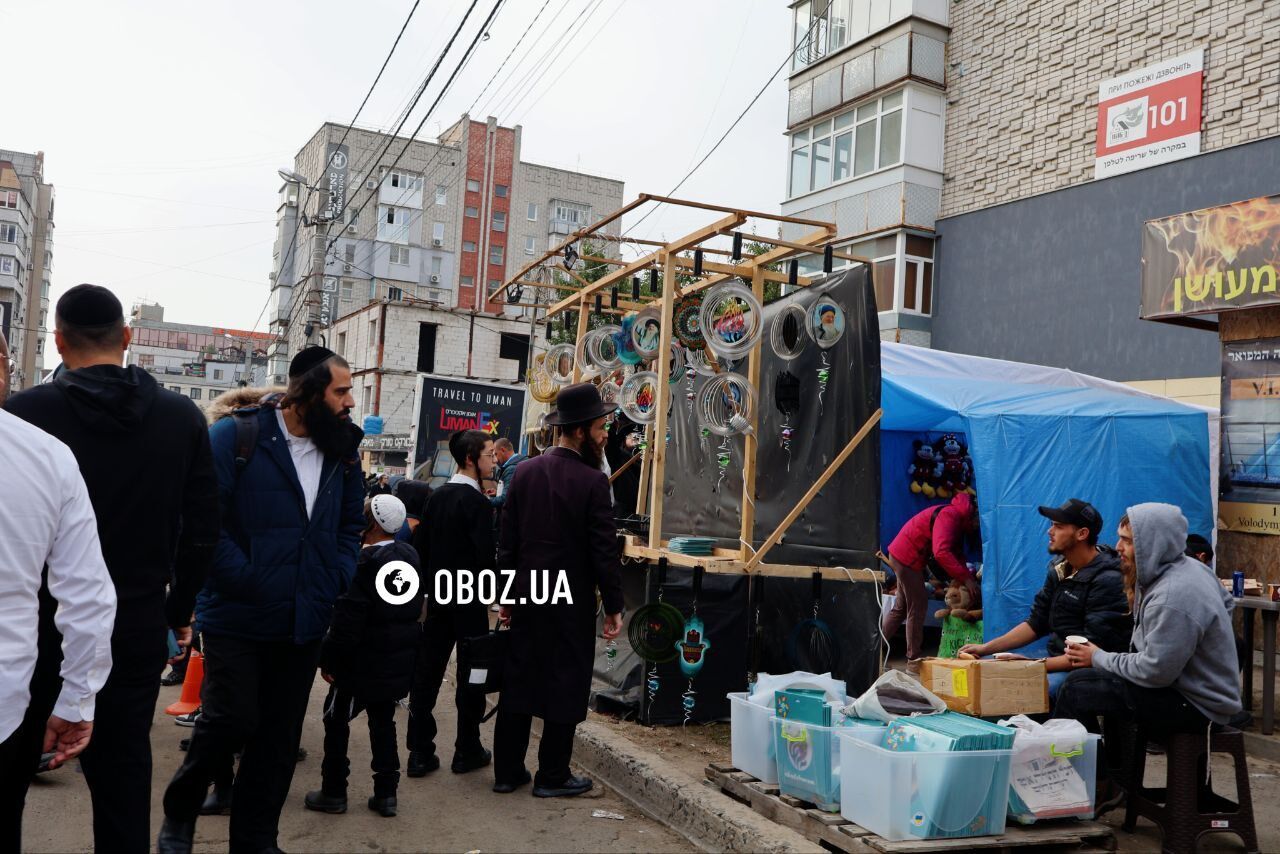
916	795
752	737
1061	781
808	759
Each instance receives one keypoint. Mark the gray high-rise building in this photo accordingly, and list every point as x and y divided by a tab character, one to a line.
26	261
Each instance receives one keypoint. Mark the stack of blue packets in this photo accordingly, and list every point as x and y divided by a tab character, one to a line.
804	744
694	546
961	796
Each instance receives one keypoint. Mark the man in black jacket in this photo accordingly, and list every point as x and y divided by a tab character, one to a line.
1083	594
454	541
144	454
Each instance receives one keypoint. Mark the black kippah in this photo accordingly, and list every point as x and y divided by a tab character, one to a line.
90	305
308	359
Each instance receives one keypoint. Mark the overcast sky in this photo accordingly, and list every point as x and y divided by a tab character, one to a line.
163	123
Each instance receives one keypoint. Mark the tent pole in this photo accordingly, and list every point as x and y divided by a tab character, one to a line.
750	446
662	398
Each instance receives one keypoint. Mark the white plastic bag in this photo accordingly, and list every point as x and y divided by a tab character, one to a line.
1043	783
895	695
767	684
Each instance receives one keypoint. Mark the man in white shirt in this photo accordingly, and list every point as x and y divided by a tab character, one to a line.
47	521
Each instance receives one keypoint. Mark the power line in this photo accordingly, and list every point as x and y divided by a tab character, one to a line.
503	65
548	59
569	65
494	98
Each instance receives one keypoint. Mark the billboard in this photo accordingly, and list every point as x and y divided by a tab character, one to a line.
1149	116
444	405
1211	260
1249	478
335	180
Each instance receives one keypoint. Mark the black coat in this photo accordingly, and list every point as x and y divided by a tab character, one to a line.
558	517
371	646
144	454
1089	602
456	533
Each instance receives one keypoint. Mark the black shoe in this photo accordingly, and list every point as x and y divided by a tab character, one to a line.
385	807
567	789
217	803
173	677
463	764
1241	720
188	719
508	788
422	764
184	745
175	836
320	802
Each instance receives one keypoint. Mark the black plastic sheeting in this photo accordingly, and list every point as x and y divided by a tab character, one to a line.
839	528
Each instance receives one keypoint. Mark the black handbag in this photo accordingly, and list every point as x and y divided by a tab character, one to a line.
481	660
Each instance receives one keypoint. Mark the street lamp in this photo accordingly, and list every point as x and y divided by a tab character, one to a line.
294	177
319	243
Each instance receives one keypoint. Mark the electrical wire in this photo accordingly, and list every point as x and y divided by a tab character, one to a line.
520	62
568	65
553	53
514	48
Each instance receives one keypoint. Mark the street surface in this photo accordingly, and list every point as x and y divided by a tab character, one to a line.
440	812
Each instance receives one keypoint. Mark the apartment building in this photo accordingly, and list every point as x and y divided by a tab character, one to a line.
200	362
26	261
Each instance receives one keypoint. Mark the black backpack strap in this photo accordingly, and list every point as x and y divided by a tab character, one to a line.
246	421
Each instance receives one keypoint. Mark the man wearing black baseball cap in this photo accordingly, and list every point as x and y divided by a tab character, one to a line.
1083	594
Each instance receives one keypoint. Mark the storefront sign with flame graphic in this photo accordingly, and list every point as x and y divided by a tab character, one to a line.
1149	116
1212	260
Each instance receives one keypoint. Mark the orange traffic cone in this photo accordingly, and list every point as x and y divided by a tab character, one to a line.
190	699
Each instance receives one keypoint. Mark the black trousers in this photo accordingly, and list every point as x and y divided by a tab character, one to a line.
511	743
336	767
254	695
18	758
441	631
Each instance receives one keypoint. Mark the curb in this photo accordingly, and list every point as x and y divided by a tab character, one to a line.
1262	746
707	818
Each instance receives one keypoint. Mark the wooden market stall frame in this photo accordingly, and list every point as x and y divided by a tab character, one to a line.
674	258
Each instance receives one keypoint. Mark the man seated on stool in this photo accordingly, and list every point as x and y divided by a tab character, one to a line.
1179	676
1083	594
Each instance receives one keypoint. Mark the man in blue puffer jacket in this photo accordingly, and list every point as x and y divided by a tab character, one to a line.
291	494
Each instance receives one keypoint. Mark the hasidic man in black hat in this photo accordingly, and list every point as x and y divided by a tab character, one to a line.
292	495
144	454
558	519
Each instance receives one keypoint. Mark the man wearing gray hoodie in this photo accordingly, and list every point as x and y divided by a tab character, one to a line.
1181	674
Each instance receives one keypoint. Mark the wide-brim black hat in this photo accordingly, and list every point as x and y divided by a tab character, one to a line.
578	403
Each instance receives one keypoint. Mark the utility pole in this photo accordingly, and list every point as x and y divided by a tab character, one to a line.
315	287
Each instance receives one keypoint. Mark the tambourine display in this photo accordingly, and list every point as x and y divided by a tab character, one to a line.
731	319
640	396
559	363
602	348
726	404
787	334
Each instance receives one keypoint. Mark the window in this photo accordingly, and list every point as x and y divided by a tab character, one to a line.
195	393
442	194
400	255
437	232
499	221
852	144
373	331
342	344
473	186
403	181
571	213
349	253
500	190
176	388
217	373
533	211
821	27
530	245
214	394
346	288
8	232
917	283
437	264
883	252
427	348
515	347
353	218
9	199
495	254
393	216
467	281
367	401
468	246
6	264
471	211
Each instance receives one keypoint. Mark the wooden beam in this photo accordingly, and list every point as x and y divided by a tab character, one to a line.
628	464
750	443
776	241
728	564
659	446
765	258
642	495
582	232
773	539
582	332
745	214
686	263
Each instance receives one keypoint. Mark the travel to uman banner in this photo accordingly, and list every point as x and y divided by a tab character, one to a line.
1211	260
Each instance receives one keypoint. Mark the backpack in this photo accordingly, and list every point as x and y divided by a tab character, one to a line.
246	421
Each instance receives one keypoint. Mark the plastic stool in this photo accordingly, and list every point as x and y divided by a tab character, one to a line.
1187	808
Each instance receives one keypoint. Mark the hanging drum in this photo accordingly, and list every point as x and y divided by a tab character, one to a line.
726	404
602	349
731	320
560	363
787	333
646	333
826	322
640	396
687	322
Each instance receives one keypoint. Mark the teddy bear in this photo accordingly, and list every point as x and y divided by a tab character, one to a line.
958	599
955	467
924	469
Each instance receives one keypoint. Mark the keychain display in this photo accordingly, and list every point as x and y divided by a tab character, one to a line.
687	322
559	363
692	647
731	320
603	349
787	334
726	404
646	332
640	396
786	397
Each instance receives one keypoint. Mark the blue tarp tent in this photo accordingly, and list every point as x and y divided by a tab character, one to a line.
1038	436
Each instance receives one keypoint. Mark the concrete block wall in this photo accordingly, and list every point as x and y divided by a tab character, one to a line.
1023	84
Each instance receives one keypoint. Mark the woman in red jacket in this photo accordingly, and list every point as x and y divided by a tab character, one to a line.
935	535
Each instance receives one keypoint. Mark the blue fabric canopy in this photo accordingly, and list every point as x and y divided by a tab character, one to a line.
1035	444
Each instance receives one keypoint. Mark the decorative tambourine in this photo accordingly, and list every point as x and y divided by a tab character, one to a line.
541	388
602	348
731	320
687	322
826	322
646	333
787	332
559	363
640	396
726	404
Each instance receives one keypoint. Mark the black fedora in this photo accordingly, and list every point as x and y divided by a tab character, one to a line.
578	403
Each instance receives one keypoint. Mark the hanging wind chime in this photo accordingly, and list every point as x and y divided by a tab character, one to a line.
654	631
788	340
692	647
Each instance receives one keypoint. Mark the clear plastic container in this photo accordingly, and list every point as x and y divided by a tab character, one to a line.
1053	781
904	795
808	760
752	737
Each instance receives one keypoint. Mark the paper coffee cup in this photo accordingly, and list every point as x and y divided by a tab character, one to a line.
1077	639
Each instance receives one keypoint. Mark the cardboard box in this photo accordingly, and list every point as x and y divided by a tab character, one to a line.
988	688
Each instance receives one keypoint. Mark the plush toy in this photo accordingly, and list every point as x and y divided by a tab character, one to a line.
924	469
956	469
958	601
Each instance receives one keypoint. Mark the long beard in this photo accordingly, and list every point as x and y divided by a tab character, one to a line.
591	453
331	432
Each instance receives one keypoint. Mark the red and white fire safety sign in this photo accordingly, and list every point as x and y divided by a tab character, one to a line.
1150	116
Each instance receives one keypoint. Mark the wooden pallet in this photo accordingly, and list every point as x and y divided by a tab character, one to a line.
843	835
